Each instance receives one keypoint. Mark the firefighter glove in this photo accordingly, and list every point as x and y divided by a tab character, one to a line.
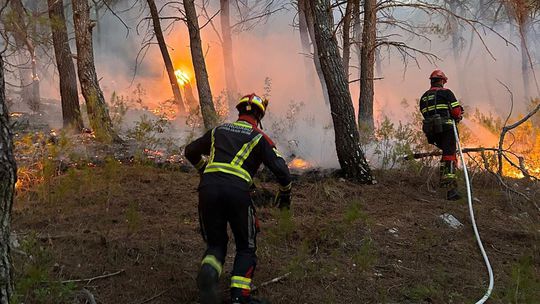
283	199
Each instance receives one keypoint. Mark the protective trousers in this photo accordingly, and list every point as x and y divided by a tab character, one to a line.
219	205
446	141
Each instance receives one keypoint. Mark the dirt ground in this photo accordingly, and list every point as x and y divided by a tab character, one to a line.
344	243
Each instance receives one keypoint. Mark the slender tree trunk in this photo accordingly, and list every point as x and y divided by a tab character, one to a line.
203	86
304	39
28	68
357	34
227	47
350	155
8	177
316	60
71	111
98	112
166	58
525	64
369	37
457	46
347	19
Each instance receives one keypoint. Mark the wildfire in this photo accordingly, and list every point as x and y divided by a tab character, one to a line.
299	164
182	77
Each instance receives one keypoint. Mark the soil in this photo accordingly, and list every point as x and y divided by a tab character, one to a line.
345	242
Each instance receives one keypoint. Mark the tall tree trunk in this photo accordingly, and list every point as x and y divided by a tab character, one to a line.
350	155
8	177
304	39
27	70
457	46
369	37
347	19
227	47
357	34
525	63
71	111
165	54
310	23
98	113
203	86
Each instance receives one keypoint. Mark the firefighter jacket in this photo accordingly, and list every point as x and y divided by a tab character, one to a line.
235	152
442	101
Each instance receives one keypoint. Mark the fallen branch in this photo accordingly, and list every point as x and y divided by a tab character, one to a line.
154	297
94	278
439	153
274	280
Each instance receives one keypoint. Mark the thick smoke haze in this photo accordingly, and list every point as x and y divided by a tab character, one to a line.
272	50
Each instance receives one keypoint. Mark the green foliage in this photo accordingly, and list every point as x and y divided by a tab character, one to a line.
354	212
34	280
525	283
284	228
421	292
133	217
119	107
366	256
494	124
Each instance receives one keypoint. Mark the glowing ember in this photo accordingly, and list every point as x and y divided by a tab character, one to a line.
182	77
299	164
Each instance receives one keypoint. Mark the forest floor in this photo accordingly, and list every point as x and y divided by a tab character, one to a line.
341	242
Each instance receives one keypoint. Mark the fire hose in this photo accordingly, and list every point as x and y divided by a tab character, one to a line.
473	221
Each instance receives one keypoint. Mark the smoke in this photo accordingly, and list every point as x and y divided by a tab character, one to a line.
273	51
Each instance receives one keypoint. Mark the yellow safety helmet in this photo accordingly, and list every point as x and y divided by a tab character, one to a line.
248	101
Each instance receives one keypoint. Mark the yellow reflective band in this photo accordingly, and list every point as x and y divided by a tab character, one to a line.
212	261
454	104
243	124
200	164
212	148
241	282
436	107
230	169
277	153
244	153
286	188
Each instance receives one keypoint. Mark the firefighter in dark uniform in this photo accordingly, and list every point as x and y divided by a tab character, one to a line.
440	109
235	152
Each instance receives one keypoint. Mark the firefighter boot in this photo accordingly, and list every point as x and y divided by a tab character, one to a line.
207	282
448	179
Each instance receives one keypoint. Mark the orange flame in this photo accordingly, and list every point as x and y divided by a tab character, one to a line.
182	77
299	164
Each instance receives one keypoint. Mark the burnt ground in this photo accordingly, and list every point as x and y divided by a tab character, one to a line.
345	243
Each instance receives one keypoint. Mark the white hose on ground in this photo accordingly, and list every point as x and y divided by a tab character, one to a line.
473	221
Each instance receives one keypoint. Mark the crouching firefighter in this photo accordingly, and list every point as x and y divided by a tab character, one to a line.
235	152
440	109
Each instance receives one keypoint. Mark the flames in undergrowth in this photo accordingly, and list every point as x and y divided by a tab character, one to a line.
182	77
299	164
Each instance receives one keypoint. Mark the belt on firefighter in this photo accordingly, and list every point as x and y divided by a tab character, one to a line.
241	282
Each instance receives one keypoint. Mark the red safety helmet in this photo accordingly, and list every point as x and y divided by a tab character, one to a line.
438	74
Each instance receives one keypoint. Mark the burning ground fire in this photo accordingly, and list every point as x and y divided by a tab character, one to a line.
299	164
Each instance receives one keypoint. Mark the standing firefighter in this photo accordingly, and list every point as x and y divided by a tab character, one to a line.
440	109
235	152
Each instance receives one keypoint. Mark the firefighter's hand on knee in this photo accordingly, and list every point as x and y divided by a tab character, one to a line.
283	200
